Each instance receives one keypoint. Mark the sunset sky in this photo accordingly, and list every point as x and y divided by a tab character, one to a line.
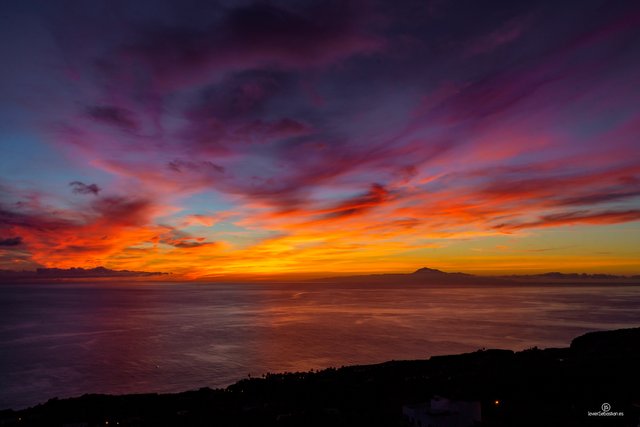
210	138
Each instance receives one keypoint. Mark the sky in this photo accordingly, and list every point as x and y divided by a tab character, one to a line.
220	138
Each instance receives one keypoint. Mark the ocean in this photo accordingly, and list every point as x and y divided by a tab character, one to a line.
65	340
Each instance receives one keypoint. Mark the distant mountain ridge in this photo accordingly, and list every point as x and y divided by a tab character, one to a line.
71	273
432	276
580	277
423	275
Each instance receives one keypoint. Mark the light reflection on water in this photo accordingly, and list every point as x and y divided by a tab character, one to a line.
66	340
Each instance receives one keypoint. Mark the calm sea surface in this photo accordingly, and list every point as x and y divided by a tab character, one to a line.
67	340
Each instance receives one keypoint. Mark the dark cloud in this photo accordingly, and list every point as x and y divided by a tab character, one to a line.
377	195
183	240
576	218
547	182
507	33
494	95
11	241
123	211
597	198
260	35
113	116
82	188
240	95
190	244
113	211
205	166
37	221
261	131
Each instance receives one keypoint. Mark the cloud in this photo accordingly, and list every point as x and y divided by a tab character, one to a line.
11	241
201	220
508	33
113	116
548	184
576	218
103	227
327	128
183	240
240	95
597	198
205	167
260	131
259	35
123	210
81	188
376	196
15	219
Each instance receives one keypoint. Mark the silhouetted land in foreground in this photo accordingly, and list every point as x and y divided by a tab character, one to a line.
551	387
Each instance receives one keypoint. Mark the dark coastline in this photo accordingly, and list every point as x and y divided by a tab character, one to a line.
550	387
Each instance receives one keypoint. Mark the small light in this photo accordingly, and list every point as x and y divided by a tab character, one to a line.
497	402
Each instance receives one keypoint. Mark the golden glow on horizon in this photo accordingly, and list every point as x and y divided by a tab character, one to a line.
360	244
315	255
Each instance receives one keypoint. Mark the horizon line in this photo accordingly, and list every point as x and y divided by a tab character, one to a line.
41	273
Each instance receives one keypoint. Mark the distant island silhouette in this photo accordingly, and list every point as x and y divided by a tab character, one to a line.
431	276
422	276
71	273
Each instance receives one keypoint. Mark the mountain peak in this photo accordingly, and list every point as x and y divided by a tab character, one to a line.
426	270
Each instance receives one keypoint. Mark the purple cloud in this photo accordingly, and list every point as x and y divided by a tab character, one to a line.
82	188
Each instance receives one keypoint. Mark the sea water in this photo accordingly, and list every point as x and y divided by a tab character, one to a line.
64	340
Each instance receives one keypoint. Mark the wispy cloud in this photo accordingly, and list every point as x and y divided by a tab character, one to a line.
285	136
